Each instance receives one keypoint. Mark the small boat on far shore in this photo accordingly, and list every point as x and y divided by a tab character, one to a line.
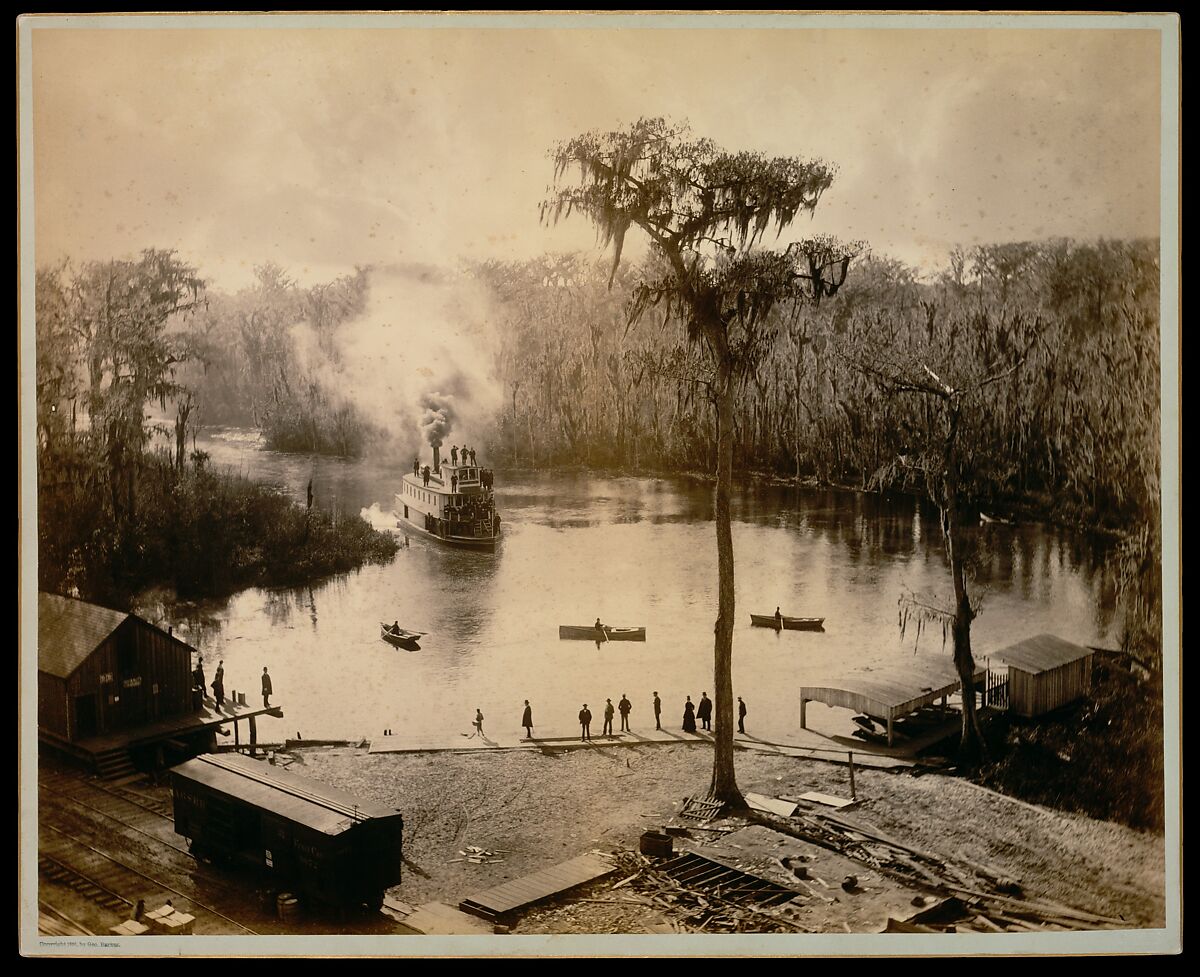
789	623
589	632
399	637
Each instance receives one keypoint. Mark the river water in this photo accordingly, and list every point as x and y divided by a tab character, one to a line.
635	552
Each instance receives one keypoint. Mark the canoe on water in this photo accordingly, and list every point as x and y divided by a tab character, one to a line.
399	637
588	632
789	623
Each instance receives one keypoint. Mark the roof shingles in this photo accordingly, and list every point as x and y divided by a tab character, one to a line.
1041	654
70	630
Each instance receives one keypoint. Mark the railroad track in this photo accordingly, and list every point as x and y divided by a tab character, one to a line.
135	810
57	870
67	857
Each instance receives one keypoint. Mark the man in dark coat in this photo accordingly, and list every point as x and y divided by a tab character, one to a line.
218	685
454	455
623	707
585	723
741	715
704	710
527	720
608	718
266	687
689	716
657	711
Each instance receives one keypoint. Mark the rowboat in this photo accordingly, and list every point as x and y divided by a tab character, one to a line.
399	637
588	632
789	623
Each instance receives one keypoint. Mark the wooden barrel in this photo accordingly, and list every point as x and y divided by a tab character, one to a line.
287	906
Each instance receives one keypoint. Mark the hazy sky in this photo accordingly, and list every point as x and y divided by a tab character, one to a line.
322	149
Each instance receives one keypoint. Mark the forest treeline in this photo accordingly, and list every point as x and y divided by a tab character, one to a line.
1067	425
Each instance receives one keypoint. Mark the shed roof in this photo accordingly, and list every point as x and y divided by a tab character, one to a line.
298	799
70	630
1041	654
892	690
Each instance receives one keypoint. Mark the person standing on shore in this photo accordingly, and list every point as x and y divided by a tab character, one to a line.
585	723
689	716
527	720
742	710
218	685
623	708
657	711
608	718
478	724
704	710
266	688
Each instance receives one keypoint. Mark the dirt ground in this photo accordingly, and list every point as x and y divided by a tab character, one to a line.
536	810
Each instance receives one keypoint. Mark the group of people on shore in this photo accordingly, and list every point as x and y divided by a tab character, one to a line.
703	712
624	707
218	682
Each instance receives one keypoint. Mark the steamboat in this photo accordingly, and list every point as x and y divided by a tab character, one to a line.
452	503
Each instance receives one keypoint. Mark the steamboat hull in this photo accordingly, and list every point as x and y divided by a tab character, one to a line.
485	543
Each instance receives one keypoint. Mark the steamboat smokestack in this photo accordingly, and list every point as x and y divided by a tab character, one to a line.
437	463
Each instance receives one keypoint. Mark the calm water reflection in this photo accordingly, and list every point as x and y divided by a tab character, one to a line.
634	551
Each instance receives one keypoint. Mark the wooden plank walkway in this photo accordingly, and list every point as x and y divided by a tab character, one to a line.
807	743
506	898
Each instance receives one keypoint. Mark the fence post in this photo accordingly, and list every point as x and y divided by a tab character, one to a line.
853	792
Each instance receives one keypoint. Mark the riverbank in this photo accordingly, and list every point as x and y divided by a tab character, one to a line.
1034	508
197	531
536	810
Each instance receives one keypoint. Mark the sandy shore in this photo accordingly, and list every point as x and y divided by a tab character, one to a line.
542	809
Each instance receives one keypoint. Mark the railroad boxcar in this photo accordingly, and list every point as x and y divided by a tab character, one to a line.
319	842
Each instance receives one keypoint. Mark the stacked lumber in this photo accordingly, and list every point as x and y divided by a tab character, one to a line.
690	910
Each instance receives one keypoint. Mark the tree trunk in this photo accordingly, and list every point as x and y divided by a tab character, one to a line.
971	745
724	783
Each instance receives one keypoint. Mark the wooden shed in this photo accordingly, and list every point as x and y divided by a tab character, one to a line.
101	671
1044	673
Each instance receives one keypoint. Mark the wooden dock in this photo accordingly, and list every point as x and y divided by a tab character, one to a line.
497	902
805	743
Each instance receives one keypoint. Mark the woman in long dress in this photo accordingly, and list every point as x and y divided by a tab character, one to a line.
689	716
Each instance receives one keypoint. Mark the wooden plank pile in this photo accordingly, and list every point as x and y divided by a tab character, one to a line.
481	856
984	899
723	905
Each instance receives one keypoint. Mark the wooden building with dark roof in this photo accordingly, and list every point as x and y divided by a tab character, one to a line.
101	671
114	690
1044	673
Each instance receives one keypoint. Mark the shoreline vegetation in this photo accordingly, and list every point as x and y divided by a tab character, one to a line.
199	532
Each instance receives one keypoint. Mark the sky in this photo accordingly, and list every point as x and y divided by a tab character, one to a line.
322	149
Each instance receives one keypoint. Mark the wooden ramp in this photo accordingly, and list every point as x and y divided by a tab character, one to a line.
511	896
